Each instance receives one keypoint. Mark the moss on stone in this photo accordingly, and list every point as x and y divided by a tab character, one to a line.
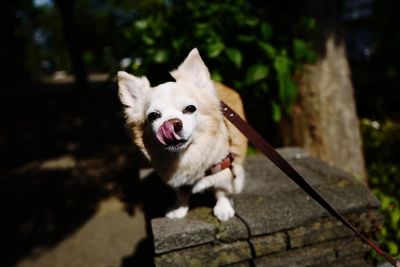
211	255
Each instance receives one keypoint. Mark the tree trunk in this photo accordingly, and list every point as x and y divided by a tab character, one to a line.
67	8
324	120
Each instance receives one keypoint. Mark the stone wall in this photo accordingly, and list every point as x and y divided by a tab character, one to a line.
276	223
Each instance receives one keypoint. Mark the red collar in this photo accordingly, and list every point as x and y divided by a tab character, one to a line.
225	163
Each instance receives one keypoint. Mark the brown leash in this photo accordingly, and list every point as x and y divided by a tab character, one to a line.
279	161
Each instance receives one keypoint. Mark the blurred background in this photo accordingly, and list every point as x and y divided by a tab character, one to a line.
324	75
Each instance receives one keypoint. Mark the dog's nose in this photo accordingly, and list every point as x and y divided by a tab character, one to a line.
177	124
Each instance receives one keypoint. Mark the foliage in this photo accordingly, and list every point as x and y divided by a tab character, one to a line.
382	147
236	41
246	44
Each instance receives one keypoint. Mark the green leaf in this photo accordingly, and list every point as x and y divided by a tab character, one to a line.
238	84
201	30
311	56
303	51
291	95
267	48
282	66
276	112
393	248
235	56
178	43
256	73
251	150
385	202
266	31
161	56
395	217
246	38
311	23
141	24
148	40
291	89
251	21
299	47
384	232
216	76
214	49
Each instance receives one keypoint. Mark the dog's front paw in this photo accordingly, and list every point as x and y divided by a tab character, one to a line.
223	210
201	185
178	213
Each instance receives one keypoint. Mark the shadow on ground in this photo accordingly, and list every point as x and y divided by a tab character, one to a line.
157	198
62	152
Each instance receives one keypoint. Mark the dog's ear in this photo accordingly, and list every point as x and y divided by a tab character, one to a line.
193	69
130	87
131	90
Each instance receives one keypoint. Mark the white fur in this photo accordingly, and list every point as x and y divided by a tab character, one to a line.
239	179
223	210
131	93
182	207
163	99
205	131
178	213
222	179
193	70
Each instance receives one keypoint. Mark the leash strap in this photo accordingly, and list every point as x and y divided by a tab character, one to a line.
279	161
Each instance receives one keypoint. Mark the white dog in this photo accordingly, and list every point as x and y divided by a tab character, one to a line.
179	126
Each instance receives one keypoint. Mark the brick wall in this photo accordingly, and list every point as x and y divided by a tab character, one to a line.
276	223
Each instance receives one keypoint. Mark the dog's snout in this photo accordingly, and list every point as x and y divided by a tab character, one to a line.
177	124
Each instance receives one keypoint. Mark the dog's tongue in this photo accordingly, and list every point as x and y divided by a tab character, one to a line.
166	134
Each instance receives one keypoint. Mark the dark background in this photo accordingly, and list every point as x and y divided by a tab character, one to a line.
58	93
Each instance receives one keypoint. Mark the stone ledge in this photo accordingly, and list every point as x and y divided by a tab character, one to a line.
317	232
175	234
322	254
275	219
266	214
351	261
268	244
307	256
229	231
210	255
199	227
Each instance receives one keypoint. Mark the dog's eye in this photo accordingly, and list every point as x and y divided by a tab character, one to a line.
153	116
189	109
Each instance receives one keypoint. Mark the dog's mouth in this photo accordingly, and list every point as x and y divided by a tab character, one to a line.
177	146
167	136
